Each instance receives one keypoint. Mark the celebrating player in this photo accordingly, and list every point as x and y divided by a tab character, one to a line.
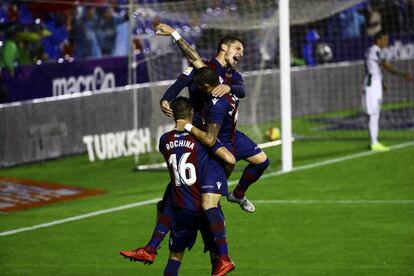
193	171
373	86
229	52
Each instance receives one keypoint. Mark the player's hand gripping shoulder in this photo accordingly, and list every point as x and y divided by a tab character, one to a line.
165	107
221	90
180	124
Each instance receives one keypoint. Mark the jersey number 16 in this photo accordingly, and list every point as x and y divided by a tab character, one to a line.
184	173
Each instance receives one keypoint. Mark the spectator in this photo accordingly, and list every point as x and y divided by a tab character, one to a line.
84	35
311	37
106	31
122	41
14	51
351	22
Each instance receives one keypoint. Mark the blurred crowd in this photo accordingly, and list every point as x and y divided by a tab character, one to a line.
32	32
365	19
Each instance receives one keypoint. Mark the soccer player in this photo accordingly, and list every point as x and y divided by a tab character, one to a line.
194	171
229	52
373	86
191	171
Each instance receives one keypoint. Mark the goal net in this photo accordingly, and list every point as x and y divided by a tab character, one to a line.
328	43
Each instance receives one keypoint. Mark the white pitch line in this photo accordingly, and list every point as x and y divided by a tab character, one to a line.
150	201
332	161
88	215
345	201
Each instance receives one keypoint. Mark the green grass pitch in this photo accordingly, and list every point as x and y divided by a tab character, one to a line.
351	217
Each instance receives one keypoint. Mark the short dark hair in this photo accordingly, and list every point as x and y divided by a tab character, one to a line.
181	108
379	35
228	39
205	75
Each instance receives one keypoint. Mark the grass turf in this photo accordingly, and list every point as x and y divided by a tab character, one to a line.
280	238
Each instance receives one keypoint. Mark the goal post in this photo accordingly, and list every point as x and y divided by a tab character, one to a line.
285	87
302	75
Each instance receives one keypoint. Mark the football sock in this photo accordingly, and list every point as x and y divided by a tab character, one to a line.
172	268
374	128
250	174
161	228
218	230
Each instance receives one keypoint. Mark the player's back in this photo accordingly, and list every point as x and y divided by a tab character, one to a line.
187	162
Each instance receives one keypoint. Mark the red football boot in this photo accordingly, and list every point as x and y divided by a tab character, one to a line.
142	254
224	265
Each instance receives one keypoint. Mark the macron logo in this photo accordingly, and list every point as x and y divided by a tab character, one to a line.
214	101
219	184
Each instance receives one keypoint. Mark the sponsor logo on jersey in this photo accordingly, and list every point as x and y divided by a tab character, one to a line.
178	135
218	183
215	101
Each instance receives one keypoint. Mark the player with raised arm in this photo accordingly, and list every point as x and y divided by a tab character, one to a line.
229	53
199	167
373	86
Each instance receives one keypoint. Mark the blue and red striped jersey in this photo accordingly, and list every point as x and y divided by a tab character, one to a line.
187	161
228	76
223	111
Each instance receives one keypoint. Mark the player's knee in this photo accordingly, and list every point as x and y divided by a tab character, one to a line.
263	155
258	158
263	166
210	200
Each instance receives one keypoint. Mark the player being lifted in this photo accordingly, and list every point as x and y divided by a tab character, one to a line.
373	86
230	49
191	171
229	52
211	190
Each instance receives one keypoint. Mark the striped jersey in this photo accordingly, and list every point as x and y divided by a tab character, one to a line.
187	161
227	75
223	111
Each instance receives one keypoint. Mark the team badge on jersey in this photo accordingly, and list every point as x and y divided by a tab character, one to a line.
188	70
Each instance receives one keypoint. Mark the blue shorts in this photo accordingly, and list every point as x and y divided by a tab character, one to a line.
185	225
215	179
242	148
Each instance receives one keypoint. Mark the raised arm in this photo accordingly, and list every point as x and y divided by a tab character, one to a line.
192	56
